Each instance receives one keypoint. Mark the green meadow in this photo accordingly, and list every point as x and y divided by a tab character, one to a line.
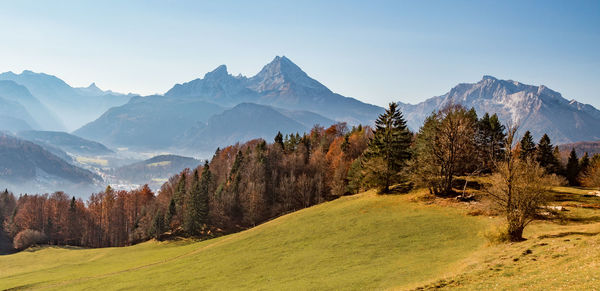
365	241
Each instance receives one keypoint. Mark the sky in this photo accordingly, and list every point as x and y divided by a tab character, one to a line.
375	51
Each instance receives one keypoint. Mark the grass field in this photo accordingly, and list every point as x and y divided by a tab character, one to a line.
357	242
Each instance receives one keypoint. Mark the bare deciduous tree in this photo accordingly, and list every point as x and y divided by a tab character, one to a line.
518	188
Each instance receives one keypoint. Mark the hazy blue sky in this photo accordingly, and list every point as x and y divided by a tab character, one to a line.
376	51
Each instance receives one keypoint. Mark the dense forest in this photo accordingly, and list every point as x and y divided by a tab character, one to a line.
246	184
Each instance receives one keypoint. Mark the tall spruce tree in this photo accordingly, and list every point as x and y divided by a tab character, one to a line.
545	155
171	211
572	169
490	140
180	192
197	209
584	163
389	149
527	147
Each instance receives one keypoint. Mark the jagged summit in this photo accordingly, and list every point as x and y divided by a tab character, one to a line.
281	74
219	72
537	108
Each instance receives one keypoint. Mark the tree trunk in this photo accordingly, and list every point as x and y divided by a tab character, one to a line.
515	233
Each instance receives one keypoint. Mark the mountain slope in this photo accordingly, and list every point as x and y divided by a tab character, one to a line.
243	122
66	142
281	83
14	116
45	118
364	242
535	108
71	105
590	147
25	162
154	171
148	122
157	122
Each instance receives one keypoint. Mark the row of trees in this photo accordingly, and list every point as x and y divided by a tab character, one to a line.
243	185
246	184
109	218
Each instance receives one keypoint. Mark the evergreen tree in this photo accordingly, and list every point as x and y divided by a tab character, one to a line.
545	155
572	169
527	147
490	140
279	139
170	212
158	225
584	163
390	145
180	192
197	211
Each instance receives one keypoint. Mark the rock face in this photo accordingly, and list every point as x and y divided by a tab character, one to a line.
535	108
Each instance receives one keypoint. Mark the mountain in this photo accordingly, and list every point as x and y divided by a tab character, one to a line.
152	122
281	83
218	87
535	108
14	116
154	171
66	142
25	166
74	106
43	117
289	94
582	147
243	122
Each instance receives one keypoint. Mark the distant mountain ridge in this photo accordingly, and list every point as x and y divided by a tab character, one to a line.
39	114
25	166
281	97
66	142
74	107
243	122
280	83
535	108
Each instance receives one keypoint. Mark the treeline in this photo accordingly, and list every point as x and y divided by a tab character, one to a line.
243	185
246	184
109	218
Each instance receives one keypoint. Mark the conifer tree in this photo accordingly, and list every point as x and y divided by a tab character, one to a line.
390	145
490	140
545	155
527	147
279	139
170	212
180	191
584	163
158	225
572	169
197	209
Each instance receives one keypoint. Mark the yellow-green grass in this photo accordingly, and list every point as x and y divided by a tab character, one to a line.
364	241
159	164
558	254
92	161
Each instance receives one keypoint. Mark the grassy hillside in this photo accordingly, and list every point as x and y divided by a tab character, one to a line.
363	241
359	242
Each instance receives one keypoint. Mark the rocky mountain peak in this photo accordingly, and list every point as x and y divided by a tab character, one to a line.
218	73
